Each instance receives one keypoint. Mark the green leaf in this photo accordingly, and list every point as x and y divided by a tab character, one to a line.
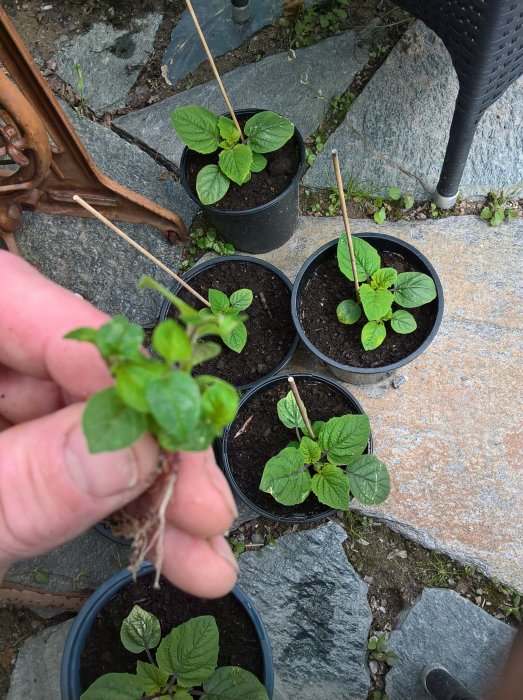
120	338
41	575
285	478
219	404
394	193
175	403
203	352
236	339
182	695
376	302
132	380
369	480
218	300
367	258
385	277
317	427
109	424
236	163
486	213
414	289
267	131
241	299
197	127
310	450
140	630
190	651
348	311
408	201
199	439
171	341
116	686
373	334
86	335
227	130
380	215
331	487
233	683
289	413
498	218
344	437
151	677
403	322
258	162
211	184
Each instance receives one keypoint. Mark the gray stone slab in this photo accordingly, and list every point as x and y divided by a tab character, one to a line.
289	87
315	609
87	257
442	627
36	674
111	60
396	132
245	514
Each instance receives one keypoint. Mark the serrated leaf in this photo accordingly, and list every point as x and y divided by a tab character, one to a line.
203	352
218	300
171	341
317	427
233	683
376	302
197	127
310	450
348	311
369	480
394	193
151	677
120	338
175	403
367	258
219	404
258	162
182	695
373	334
190	651
227	130
289	413
237	338
498	217
109	424
132	380
486	213
331	487
140	630
380	215
414	289
385	277
235	163
116	686
241	299
268	132
403	322
342	438
285	478
211	184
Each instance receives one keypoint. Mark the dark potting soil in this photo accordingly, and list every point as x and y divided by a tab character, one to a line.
322	293
263	187
265	436
270	330
104	652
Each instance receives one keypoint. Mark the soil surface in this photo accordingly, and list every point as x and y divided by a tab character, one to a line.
265	436
270	329
320	296
104	653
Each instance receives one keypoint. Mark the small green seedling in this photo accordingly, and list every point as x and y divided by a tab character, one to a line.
185	664
204	132
495	212
327	459
379	649
230	306
381	288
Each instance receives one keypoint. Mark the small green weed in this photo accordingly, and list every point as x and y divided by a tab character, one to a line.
317	22
378	647
80	89
378	52
495	211
393	203
514	607
311	151
379	695
201	242
437	571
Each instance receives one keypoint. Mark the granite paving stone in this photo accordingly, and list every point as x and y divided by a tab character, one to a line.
396	132
314	606
287	86
87	257
444	628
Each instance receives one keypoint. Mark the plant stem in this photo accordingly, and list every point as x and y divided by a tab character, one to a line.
343	204
214	69
301	406
149	656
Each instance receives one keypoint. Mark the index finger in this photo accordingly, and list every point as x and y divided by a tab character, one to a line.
35	314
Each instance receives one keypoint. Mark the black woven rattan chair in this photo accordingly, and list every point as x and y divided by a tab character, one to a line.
485	41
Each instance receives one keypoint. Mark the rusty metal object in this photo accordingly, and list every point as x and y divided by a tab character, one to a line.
47	162
24	596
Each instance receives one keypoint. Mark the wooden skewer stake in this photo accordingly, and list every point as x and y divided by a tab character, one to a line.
148	255
301	406
339	183
213	66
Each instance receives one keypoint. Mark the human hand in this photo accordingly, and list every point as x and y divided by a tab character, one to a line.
51	487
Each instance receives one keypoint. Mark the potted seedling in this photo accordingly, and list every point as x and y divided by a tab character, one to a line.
243	169
132	641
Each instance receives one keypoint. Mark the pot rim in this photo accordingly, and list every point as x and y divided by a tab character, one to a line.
367	370
261	207
222	444
70	665
201	267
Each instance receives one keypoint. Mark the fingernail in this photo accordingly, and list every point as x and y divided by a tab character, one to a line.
221	547
218	480
99	475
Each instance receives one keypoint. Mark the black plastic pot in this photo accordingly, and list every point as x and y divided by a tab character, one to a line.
105	532
70	668
262	228
295	515
382	242
198	269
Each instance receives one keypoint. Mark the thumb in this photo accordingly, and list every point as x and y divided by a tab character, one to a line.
52	488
